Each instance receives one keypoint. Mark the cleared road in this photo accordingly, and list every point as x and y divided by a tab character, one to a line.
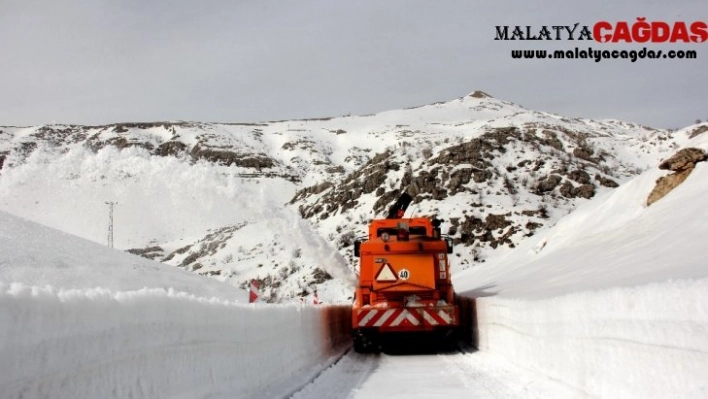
437	375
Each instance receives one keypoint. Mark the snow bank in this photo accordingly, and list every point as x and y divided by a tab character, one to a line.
98	343
149	330
37	255
640	342
613	300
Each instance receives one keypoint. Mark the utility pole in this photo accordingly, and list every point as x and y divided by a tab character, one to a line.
110	222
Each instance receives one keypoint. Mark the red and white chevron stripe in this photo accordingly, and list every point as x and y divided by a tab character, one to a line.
405	317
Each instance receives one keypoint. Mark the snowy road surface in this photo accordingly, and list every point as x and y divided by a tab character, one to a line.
444	375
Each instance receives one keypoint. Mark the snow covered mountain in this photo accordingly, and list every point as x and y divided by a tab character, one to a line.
610	302
282	201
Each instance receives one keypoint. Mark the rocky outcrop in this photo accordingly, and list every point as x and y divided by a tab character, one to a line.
209	245
170	148
500	161
151	137
548	184
368	179
551	139
682	164
475	229
605	181
568	190
153	253
479	94
699	130
683	160
58	135
435	182
228	158
427	185
584	153
121	143
126	126
480	151
307	191
580	176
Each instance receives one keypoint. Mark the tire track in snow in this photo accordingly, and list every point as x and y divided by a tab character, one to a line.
341	379
489	376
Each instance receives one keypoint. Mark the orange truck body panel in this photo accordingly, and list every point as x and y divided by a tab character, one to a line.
404	281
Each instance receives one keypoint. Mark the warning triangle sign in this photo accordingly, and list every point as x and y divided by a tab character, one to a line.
386	274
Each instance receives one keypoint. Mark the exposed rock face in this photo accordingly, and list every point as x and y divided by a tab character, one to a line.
154	252
209	147
228	158
475	229
369	179
682	164
583	153
436	183
316	189
665	184
584	191
684	159
580	176
607	182
95	143
480	94
61	135
551	140
698	130
480	171
124	127
548	184
427	183
208	245
170	148
458	179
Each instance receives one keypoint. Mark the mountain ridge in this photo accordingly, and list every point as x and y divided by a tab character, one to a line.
495	171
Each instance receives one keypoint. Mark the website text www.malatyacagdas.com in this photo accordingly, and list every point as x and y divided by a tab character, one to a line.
599	55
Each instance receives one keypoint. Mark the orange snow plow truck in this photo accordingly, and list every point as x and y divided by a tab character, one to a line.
404	282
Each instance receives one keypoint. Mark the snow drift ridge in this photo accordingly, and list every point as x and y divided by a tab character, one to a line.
97	343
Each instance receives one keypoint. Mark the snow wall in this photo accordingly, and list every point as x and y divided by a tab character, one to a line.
646	341
159	343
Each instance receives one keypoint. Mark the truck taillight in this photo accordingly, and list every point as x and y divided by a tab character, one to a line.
442	266
402	231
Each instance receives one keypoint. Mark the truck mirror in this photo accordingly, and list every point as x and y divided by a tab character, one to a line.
357	245
448	244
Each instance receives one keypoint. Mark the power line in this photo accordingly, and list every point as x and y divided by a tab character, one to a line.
110	222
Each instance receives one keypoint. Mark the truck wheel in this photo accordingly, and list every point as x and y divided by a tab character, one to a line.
359	346
365	343
449	340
